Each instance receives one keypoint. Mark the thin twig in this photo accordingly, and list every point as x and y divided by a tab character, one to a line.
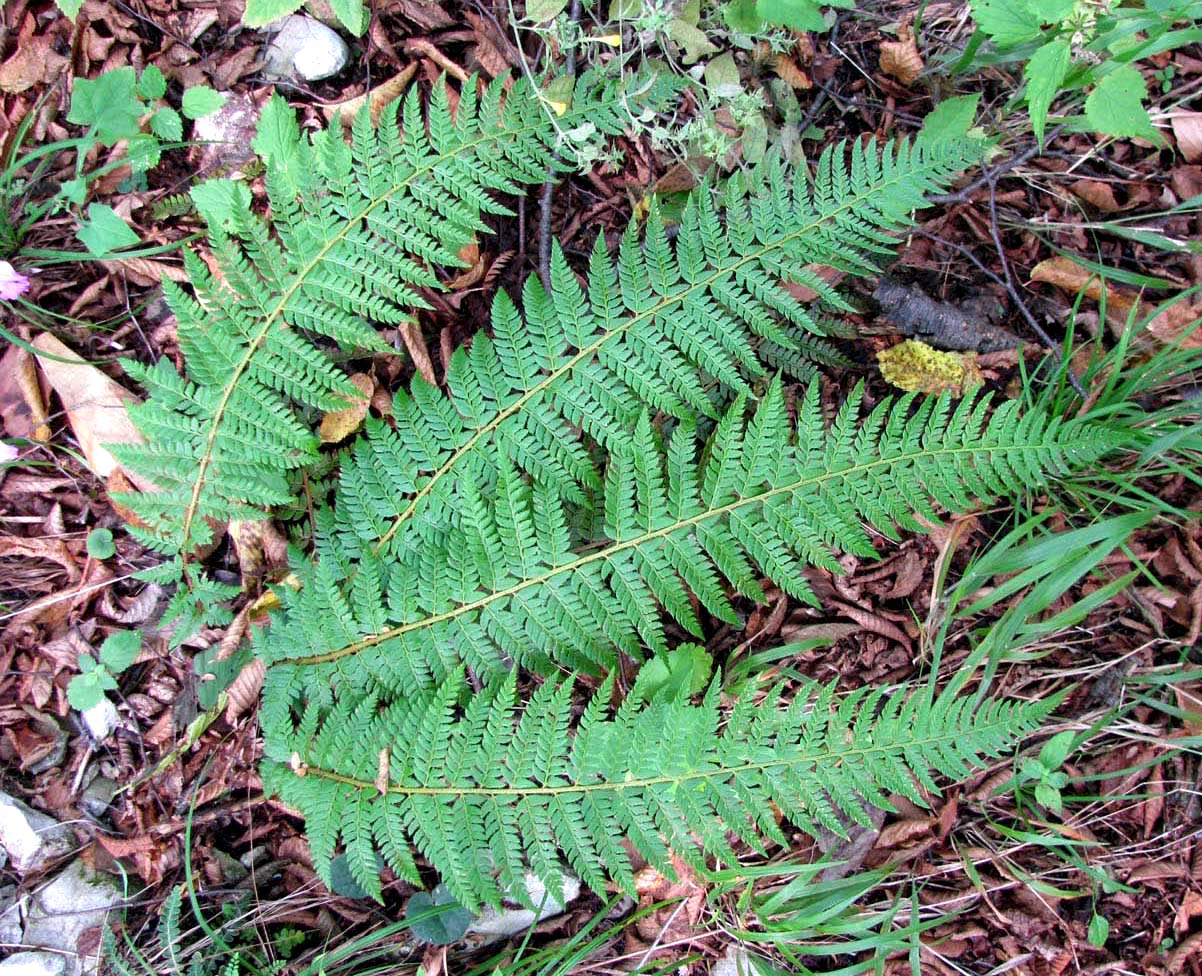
1012	291
548	193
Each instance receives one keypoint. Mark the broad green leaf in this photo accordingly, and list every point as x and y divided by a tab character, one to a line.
352	14
681	673
1115	107
1044	74
1099	930
950	119
201	100
1050	11
692	40
742	17
436	916
542	11
722	76
1008	22
104	231
802	15
120	650
260	13
152	85
219	200
166	124
342	881
84	690
110	103
70	7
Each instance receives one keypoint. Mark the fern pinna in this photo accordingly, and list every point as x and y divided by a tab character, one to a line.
355	232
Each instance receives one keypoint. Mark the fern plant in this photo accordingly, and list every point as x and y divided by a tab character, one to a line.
617	448
355	232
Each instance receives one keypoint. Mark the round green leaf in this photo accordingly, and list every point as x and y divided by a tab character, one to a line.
100	544
436	917
200	101
152	85
84	691
120	650
166	124
343	883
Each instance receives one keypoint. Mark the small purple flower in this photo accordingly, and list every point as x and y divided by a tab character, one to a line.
13	284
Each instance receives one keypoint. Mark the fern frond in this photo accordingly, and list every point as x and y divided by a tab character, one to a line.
507	583
355	232
485	792
671	328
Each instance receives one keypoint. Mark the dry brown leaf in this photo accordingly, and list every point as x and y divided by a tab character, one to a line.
378	98
21	405
35	62
95	406
147	271
1098	194
471	275
900	59
1187	130
340	424
788	71
260	547
243	693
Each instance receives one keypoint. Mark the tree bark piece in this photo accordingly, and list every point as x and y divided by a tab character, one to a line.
941	324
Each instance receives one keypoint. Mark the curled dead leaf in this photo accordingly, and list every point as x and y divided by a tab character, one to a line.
243	692
377	98
900	59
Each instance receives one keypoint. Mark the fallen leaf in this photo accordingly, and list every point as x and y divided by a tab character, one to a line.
1098	194
35	62
243	692
900	59
787	70
260	547
1170	325
1187	130
379	98
22	408
340	424
95	406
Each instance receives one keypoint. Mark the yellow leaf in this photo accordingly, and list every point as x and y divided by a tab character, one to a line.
340	424
916	367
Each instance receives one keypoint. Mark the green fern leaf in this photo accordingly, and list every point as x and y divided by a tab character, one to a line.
355	233
512	791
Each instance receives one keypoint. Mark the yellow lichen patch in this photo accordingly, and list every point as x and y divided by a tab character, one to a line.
914	366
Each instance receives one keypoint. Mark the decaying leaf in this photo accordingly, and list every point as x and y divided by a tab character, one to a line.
916	367
260	546
95	406
243	693
22	408
1187	130
35	62
900	59
378	98
340	424
1174	323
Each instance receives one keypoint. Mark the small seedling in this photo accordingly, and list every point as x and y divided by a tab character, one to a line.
100	544
95	677
1046	774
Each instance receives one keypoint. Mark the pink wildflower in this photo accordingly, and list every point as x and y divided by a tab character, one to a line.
13	284
8	452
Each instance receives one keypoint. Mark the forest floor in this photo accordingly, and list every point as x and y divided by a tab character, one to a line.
1005	886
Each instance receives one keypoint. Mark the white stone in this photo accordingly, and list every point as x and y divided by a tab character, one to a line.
77	900
101	719
29	838
736	962
34	964
493	924
305	48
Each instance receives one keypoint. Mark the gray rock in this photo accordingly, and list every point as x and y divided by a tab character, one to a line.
77	900
29	838
34	964
97	797
10	916
226	135
306	49
493	925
